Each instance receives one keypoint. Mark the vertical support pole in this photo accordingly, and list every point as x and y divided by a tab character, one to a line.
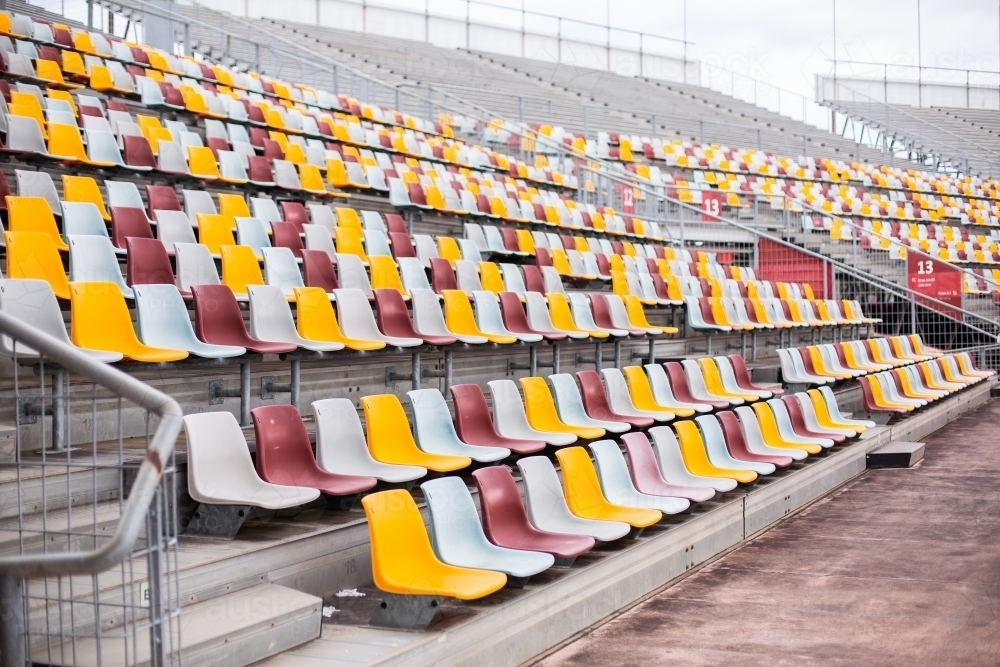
336	83
468	6
701	132
618	354
520	109
415	371
758	130
913	316
653	123
533	361
753	346
585	123
559	41
397	98
59	380
90	14
187	40
154	560
296	381
652	348
245	393
708	344
555	357
12	620
599	355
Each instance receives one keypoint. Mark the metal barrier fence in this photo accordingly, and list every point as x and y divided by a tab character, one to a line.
88	523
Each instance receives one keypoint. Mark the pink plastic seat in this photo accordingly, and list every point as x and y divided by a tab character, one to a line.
161	198
646	473
218	320
595	401
148	264
474	424
128	222
532	278
737	444
682	391
295	213
393	318
799	422
402	245
602	315
285	456
317	270
516	321
442	275
743	380
286	235
506	523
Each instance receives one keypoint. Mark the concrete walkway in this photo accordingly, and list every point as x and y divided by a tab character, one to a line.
900	567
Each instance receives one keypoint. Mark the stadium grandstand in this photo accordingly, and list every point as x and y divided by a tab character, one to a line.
328	346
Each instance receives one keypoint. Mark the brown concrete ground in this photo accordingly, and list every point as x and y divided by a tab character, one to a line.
900	567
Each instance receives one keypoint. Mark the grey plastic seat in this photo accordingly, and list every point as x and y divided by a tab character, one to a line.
351	274
834	410
785	430
490	321
467	276
412	274
428	319
195	266
231	167
583	316
552	281
174	227
474	232
317	237
265	210
23	134
198	201
435	432
271	320
377	243
83	219
341	446
37	184
729	383
285	175
755	439
510	419
469	250
620	399
540	320
33	302
513	281
458	537
546	504
170	157
718	454
162	320
696	381
671	463
569	404
281	270
252	233
663	393
93	259
321	214
426	249
354	314
617	486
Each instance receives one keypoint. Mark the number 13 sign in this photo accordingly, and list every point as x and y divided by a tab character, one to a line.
935	279
711	206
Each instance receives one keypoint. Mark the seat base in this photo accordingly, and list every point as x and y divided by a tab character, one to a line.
217	521
880	418
515	582
406	612
633	534
564	563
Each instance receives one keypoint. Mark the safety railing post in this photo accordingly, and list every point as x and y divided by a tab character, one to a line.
12	629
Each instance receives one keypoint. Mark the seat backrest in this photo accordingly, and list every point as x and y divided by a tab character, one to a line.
352	274
442	275
286	235
215	443
281	270
32	302
148	263
92	259
283	448
195	266
456	528
128	222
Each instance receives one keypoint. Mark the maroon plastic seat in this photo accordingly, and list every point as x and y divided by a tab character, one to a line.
402	246
161	198
259	169
128	222
4	192
542	257
602	315
737	445
286	235
532	278
216	144
285	456
218	320
115	105
137	152
257	136
603	265
509	237
474	424
171	96
595	401
681	388
273	150
515	319
506	524
442	275
317	270
799	422
660	287
807	361
743	380
646	473
148	263
868	400
393	318
295	213
394	223
62	37
49	53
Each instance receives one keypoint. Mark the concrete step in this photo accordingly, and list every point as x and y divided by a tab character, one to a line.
229	631
51	488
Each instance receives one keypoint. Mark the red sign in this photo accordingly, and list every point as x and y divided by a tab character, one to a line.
935	279
781	263
711	206
628	200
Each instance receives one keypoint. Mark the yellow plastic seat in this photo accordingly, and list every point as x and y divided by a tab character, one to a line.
911	391
642	394
560	262
562	316
820	366
233	206
929	380
101	321
542	414
637	317
460	320
696	457
102	81
73	65
316	320
153	131
349	242
50	72
385	275
403	562
585	498
81	41
448	249
33	255
202	164
348	217
769	431
880	398
27	105
196	104
66	144
490	277
713	382
84	189
853	362
311	179
32	214
949	376
240	268
214	231
336	174
390	439
525	242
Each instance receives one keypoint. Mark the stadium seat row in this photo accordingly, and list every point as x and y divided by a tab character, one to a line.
825	364
903	390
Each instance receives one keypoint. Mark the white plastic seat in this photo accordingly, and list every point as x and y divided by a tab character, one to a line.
569	404
834	410
458	537
271	320
412	274
265	210
103	147
620	399
221	472
617	486
696	381
718	454
729	383
671	463
174	227
341	446
663	392
428	319
285	175
513	281
474	232
892	394
426	249
377	243
435	432
34	303
695	319
351	274
195	266
83	219
467	276
832	361
162	320
124	193
372	221
552	281
93	259
619	315
317	237
198	201
36	184
490	321
785	430
583	316
510	419
812	423
231	167
755	439
354	314
799	369
546	504
24	134
252	233
281	270
495	244
540	320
